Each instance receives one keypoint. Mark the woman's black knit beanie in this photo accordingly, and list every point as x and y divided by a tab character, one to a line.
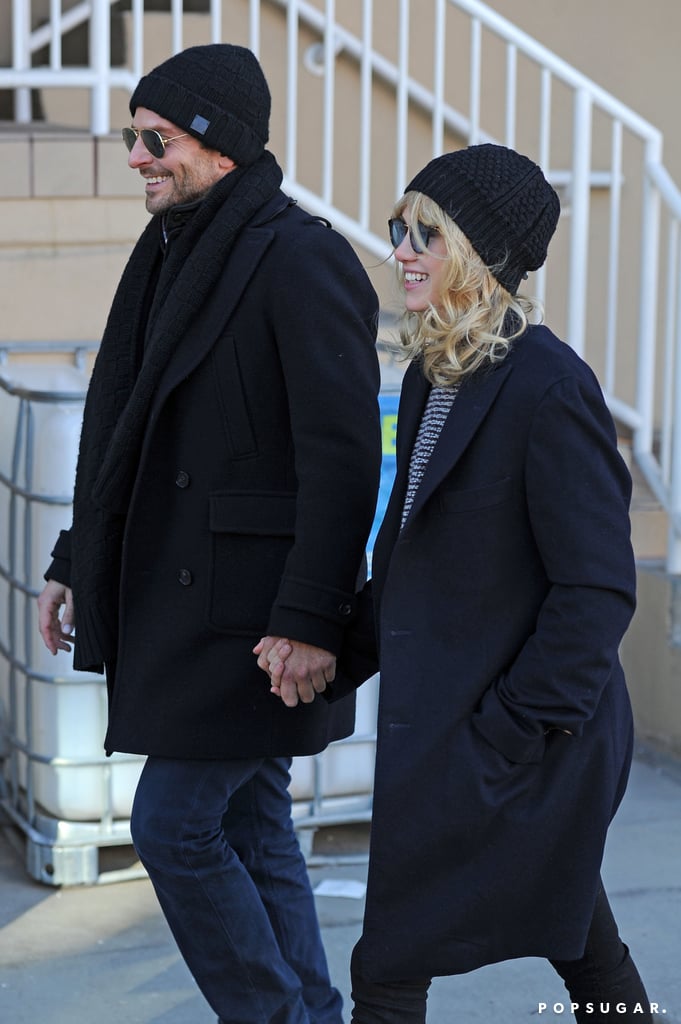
218	93
501	201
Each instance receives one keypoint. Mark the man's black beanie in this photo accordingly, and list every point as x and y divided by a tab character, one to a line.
218	93
501	201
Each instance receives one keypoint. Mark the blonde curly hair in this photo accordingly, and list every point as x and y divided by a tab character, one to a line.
477	319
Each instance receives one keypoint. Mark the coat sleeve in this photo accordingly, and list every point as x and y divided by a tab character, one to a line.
358	659
578	491
60	566
325	314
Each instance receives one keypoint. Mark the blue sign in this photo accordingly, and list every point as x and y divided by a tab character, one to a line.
388	405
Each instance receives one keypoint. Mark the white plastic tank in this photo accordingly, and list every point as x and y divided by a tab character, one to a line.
53	718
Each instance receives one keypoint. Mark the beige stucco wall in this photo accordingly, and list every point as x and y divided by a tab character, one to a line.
67	226
629	47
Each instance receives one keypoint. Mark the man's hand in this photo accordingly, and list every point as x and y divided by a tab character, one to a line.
54	632
297	671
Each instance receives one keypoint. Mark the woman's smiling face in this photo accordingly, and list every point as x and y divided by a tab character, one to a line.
423	272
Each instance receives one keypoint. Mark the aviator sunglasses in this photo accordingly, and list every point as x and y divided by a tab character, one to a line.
154	141
398	230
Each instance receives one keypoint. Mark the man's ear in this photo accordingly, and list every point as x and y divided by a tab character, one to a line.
226	164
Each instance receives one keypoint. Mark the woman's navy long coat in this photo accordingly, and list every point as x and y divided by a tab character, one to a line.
500	607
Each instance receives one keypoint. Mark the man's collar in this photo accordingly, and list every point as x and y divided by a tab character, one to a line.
174	219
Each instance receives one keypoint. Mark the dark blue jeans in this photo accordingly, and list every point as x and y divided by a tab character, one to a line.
604	978
217	840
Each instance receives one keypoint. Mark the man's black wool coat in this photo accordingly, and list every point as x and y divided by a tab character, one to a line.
253	499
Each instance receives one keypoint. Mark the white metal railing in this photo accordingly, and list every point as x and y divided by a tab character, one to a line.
614	297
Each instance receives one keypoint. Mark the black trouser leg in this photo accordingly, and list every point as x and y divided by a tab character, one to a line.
605	984
399	1002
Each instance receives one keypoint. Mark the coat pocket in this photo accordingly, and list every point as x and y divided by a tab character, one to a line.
484	784
252	533
232	400
476	498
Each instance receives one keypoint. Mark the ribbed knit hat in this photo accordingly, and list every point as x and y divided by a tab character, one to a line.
501	201
218	93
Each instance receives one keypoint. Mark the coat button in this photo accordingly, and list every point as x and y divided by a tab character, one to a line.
345	609
182	479
185	577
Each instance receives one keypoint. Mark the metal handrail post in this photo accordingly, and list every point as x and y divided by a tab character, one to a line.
474	87
55	35
215	21
253	24
579	229
650	236
365	150
100	61
674	536
137	46
329	100
176	13
402	99
21	32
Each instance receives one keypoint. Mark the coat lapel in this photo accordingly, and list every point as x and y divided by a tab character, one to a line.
217	311
470	408
186	289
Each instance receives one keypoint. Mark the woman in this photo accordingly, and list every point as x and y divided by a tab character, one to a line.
503	581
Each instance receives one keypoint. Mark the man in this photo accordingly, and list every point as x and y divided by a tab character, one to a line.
226	484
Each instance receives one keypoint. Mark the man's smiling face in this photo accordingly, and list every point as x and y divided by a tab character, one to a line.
185	172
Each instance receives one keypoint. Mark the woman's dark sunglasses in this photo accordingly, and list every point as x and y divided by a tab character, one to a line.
398	230
154	141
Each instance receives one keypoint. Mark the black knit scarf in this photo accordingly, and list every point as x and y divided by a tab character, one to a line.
120	392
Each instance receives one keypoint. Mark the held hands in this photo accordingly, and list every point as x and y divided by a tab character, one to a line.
297	671
55	633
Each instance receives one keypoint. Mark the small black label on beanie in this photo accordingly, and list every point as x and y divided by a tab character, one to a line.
199	124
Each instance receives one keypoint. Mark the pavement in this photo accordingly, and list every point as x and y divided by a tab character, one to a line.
103	954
